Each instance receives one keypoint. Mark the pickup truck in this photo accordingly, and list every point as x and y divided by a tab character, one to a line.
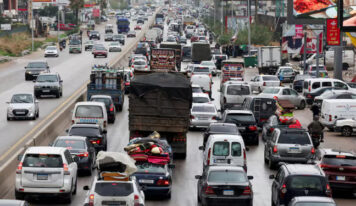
75	46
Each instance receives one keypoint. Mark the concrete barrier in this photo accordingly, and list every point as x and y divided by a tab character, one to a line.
55	125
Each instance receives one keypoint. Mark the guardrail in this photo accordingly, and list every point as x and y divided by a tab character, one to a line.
52	126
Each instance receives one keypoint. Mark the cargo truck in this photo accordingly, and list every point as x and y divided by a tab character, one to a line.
163	60
177	47
269	59
107	81
161	102
201	52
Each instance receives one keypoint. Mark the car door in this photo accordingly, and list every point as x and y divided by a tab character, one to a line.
296	100
72	166
277	182
35	101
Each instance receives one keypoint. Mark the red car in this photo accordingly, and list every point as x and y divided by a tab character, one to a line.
99	50
340	168
137	27
65	27
194	38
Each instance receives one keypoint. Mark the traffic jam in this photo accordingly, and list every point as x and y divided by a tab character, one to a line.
178	88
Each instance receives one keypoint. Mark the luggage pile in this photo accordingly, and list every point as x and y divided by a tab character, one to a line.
285	114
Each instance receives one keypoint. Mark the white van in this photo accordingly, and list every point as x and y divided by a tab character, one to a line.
333	109
204	81
348	58
310	85
223	149
90	113
233	93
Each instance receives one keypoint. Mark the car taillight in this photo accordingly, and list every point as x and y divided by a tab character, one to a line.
208	159
252	128
309	88
275	150
146	66
312	150
330	118
209	190
19	168
127	83
271	129
283	190
328	190
264	83
247	191
111	108
136	200
210	75
192	117
163	182
85	154
72	121
213	118
65	169
91	200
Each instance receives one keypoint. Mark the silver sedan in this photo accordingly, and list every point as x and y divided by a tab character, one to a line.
285	93
202	114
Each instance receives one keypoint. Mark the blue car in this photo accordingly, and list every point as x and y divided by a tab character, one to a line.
155	179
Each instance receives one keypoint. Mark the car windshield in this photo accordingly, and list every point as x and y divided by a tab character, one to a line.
89	111
227	176
201	69
314	68
114	189
47	78
43	160
271	90
208	63
70	144
84	131
200	99
51	48
36	65
238	90
306	183
286	70
339	160
139	63
203	109
22	98
106	101
239	118
114	44
150	168
301	138
314	204
270	78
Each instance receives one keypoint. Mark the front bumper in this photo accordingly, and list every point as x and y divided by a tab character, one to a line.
46	91
100	54
51	54
27	115
75	50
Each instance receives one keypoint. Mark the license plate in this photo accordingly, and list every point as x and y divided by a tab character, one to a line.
46	90
340	178
20	112
202	118
294	150
220	161
241	128
42	176
88	121
146	181
228	192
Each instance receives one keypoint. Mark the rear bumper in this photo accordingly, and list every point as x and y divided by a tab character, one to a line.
84	164
222	201
249	136
303	160
157	190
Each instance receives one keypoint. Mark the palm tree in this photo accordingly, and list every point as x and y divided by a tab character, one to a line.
75	5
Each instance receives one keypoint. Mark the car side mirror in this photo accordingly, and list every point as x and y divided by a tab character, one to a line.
19	157
198	177
86	187
50	144
271	177
67	130
36	101
250	177
171	166
201	147
61	81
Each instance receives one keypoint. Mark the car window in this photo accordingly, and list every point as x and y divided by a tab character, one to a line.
326	84
270	78
292	92
301	138
227	176
201	69
113	188
271	90
223	129
306	183
344	96
204	109
280	176
221	149
340	85
238	90
316	85
233	118
47	78
84	131
339	160
306	84
22	98
70	144
36	65
197	90
43	160
235	149
68	156
286	92
106	101
89	111
200	100
150	168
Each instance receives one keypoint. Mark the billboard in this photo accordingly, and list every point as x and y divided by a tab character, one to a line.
332	32
347	15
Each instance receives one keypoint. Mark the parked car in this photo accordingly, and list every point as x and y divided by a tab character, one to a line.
346	126
81	147
297	180
286	74
228	185
233	93
51	51
285	93
48	84
48	171
260	82
34	68
114	47
95	134
202	115
109	104
23	106
312	200
245	122
290	145
99	50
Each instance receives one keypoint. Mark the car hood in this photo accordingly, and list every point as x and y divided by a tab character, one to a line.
21	105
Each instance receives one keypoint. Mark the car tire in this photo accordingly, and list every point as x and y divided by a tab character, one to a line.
68	199
302	105
90	170
271	164
169	195
8	118
75	187
19	195
120	108
38	114
58	94
94	56
346	131
61	94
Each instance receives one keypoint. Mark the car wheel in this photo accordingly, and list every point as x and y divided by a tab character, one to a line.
302	105
94	56
61	94
120	108
38	114
58	94
19	195
271	164
169	195
346	131
8	118
68	199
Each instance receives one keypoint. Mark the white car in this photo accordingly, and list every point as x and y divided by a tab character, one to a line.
260	82
140	65
211	66
115	193
346	126
115	47
46	171
201	98
23	106
51	51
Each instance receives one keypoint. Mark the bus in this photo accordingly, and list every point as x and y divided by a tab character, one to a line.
123	25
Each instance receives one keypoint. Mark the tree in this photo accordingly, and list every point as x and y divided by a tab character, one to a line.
75	5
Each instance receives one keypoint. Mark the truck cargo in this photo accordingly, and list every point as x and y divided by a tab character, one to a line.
232	70
163	60
269	59
201	52
75	46
161	102
175	46
107	81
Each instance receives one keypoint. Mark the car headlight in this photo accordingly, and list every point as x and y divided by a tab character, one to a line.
9	109
37	87
29	72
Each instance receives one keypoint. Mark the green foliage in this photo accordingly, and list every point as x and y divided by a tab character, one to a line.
118	4
49	11
70	18
260	35
73	31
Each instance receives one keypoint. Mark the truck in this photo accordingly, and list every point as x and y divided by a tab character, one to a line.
177	47
161	102
163	60
107	81
187	20
232	70
123	24
75	45
269	58
201	52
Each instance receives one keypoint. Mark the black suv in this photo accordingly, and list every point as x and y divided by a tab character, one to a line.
294	180
48	84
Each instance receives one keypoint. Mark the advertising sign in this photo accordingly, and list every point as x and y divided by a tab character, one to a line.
44	1
347	15
5	27
332	33
96	12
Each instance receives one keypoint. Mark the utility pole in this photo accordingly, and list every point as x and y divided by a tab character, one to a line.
32	27
58	24
305	51
222	17
249	26
317	55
